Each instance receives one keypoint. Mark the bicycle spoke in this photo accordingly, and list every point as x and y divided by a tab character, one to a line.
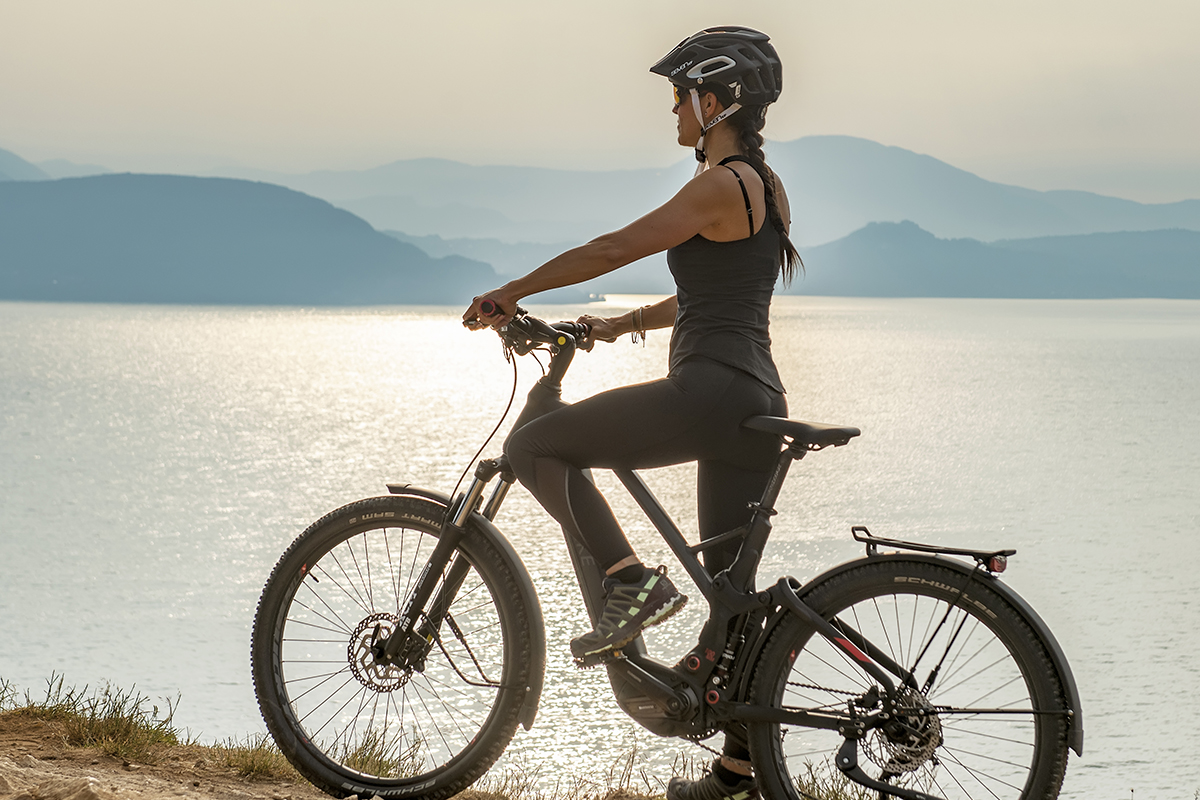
359	599
335	582
973	732
978	774
972	736
387	546
384	719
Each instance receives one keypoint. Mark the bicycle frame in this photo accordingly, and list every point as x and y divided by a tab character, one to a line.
707	690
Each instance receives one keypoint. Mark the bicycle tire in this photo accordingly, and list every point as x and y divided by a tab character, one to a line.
352	727
922	615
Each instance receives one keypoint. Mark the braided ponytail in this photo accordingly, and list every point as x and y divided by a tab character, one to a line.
748	122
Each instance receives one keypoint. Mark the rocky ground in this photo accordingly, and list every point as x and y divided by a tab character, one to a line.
36	765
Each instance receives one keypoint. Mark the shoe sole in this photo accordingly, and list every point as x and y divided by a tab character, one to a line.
661	615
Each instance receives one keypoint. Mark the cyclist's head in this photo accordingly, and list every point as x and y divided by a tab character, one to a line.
738	65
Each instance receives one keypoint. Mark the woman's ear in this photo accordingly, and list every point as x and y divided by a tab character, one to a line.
710	105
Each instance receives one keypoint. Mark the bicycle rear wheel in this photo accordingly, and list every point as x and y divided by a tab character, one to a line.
984	719
352	725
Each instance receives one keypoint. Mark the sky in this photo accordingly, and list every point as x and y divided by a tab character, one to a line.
1096	95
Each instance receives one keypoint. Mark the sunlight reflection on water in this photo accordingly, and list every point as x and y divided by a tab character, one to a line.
156	462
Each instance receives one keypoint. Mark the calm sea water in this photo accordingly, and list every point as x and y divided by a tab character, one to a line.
155	461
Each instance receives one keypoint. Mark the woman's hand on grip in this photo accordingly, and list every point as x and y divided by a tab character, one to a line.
488	311
602	329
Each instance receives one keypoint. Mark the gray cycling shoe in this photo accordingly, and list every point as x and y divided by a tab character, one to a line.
629	608
711	787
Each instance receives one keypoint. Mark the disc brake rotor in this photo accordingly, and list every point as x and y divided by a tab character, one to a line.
909	742
367	669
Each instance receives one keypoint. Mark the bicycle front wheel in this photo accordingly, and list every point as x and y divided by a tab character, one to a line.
983	716
353	725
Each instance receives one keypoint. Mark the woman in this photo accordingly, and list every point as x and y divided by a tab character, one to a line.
725	234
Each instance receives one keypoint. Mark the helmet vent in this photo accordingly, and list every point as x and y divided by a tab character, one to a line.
711	66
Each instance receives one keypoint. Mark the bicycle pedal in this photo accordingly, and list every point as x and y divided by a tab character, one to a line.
594	660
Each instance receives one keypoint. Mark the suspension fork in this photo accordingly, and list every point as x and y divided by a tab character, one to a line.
402	645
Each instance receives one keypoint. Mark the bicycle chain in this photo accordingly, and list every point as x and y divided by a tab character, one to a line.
821	688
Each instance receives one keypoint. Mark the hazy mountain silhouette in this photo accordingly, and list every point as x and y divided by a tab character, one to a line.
173	239
61	168
157	238
836	184
430	196
840	183
648	276
902	260
15	168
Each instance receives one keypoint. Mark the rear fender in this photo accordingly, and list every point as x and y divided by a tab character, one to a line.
480	525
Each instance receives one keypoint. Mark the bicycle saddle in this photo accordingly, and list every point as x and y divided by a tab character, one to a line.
813	434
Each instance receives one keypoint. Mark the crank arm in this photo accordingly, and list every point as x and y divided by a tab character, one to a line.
847	761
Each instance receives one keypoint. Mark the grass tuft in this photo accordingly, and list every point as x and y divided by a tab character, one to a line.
377	755
115	721
125	724
256	759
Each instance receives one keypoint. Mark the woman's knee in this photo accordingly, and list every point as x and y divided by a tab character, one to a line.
519	450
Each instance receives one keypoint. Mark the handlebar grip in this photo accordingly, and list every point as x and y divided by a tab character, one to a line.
488	307
580	330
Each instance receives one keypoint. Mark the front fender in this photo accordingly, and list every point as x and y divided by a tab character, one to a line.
1026	612
479	525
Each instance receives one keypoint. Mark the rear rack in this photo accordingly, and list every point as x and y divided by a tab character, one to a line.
991	560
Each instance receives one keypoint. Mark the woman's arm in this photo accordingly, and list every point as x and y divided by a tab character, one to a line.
705	204
652	317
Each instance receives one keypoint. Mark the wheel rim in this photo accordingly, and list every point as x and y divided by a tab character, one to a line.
966	730
371	719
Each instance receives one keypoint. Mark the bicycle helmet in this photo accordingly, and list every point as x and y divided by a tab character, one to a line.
738	64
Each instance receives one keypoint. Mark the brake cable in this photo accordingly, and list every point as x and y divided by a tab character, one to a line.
512	396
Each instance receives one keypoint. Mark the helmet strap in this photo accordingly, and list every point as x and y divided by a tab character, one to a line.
705	127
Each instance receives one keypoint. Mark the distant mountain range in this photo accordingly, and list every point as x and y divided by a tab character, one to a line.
15	168
902	260
908	225
887	259
836	185
174	239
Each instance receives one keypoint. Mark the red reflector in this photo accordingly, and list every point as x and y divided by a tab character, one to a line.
997	563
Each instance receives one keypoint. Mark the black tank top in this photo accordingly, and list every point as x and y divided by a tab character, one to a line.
724	291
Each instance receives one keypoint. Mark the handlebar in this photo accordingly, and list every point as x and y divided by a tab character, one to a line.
524	332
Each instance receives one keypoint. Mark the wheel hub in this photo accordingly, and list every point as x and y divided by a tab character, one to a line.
909	740
366	666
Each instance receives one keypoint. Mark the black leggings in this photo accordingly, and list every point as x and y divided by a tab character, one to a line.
694	414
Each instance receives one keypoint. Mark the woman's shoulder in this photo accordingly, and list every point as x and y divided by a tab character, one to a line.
781	201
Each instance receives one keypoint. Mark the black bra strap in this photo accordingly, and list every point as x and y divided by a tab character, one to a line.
745	195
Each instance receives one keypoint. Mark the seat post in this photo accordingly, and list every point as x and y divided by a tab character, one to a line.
741	572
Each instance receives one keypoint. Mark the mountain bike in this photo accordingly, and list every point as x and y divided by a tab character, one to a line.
399	643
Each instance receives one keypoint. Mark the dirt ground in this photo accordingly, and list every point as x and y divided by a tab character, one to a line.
35	765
